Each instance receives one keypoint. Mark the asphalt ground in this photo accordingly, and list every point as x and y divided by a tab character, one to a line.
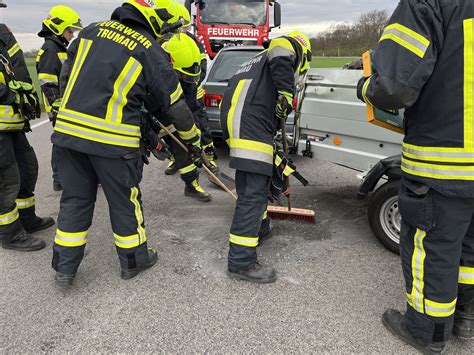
334	279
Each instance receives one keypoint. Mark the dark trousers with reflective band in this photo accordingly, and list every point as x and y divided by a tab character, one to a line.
184	162
18	176
252	191
437	251
202	122
80	174
54	164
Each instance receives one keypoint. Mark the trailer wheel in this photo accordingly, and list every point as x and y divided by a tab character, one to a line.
384	216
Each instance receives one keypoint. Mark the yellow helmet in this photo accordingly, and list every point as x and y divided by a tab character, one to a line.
155	12
305	44
184	14
61	17
184	53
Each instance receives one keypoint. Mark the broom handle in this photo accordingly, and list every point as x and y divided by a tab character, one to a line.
206	162
285	150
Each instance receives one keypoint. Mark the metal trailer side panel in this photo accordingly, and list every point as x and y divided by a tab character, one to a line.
334	122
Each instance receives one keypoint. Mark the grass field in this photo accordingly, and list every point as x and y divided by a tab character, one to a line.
330	62
30	63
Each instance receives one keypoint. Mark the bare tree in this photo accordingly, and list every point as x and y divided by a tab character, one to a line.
352	39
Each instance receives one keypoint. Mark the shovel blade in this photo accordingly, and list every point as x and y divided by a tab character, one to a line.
226	180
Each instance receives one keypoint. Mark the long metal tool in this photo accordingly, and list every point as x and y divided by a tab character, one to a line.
278	212
204	158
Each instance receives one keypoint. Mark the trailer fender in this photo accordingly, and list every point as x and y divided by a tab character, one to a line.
389	167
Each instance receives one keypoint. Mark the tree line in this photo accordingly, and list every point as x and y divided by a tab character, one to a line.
344	40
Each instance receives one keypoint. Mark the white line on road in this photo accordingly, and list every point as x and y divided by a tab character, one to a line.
40	124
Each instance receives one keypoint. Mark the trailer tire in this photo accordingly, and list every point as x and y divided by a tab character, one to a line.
384	217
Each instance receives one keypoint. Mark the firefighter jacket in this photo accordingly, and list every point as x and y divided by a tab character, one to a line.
202	76
10	119
49	61
425	63
248	106
189	92
114	68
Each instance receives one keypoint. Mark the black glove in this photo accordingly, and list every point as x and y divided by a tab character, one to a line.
26	99
278	186
283	108
195	150
360	86
158	148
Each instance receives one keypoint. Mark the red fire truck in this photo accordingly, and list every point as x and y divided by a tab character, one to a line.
222	22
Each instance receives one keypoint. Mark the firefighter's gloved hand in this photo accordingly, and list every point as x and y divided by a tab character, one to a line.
160	151
55	106
195	150
283	108
278	186
55	110
360	86
26	99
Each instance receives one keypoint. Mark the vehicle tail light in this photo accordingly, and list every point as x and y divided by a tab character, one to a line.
212	100
295	103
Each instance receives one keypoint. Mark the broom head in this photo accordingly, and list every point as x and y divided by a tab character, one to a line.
297	214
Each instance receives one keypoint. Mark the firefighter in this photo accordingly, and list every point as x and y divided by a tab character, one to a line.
18	163
250	114
424	63
185	57
114	68
57	31
200	113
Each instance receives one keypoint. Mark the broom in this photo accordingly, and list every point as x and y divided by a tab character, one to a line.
279	212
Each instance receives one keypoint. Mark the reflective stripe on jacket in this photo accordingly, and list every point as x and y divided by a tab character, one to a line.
425	63
113	71
248	106
10	120
49	62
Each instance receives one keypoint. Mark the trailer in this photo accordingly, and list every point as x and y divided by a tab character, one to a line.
331	125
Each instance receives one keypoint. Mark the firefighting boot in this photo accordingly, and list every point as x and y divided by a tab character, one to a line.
260	274
395	322
195	190
171	169
38	224
131	273
64	280
22	241
464	321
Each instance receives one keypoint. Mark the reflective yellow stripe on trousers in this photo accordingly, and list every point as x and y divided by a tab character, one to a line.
416	299
187	169
9	217
23	203
138	214
244	241
67	239
466	275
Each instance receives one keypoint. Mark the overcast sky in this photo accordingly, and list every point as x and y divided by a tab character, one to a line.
24	16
